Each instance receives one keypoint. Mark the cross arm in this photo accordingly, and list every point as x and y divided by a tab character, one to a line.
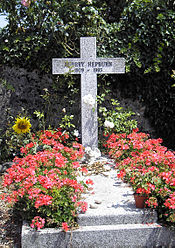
69	65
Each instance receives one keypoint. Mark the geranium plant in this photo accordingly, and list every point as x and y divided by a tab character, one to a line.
43	184
149	168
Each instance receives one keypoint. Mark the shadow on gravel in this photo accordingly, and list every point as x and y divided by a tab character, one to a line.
10	229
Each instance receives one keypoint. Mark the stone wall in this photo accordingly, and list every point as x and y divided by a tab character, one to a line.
20	89
4	104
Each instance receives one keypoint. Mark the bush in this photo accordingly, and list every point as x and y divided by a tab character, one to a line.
150	169
140	31
43	184
46	27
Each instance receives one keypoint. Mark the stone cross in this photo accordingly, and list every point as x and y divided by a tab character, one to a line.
88	66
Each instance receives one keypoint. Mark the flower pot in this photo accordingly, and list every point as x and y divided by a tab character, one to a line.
140	200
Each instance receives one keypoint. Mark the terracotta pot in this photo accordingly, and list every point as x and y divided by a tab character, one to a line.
140	200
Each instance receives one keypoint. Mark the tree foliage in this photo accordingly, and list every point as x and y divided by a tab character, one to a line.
147	34
142	31
54	28
45	29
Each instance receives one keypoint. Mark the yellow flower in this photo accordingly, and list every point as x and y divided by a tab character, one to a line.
22	125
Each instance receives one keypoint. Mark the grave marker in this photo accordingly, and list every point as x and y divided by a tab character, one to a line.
88	66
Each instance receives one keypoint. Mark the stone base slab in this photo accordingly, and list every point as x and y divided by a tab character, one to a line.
104	236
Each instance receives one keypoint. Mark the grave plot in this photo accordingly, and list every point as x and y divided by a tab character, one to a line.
112	220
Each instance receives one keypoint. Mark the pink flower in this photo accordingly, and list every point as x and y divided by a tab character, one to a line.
74	198
26	3
65	226
84	170
83	206
37	222
170	202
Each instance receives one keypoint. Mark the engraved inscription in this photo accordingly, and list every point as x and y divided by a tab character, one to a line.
97	69
74	64
100	64
79	70
80	67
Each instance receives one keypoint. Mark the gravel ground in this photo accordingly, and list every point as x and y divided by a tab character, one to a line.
10	225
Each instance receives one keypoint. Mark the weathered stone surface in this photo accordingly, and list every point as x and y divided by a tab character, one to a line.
111	236
5	166
24	89
4	104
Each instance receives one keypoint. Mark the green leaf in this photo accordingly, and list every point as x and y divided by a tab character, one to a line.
28	38
6	49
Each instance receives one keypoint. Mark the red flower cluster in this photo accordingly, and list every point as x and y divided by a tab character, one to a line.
38	222
89	181
170	202
148	166
83	206
46	180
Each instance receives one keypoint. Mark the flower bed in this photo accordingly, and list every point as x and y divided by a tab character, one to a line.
149	168
43	184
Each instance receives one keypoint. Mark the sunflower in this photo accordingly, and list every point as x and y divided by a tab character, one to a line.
22	125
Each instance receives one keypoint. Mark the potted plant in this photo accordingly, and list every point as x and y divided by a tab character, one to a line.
140	185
